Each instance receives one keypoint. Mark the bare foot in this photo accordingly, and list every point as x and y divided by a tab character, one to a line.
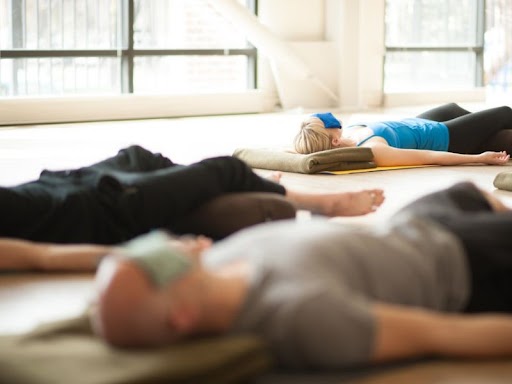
339	204
275	177
353	203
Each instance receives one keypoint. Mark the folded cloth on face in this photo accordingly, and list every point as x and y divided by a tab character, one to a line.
161	261
68	352
338	159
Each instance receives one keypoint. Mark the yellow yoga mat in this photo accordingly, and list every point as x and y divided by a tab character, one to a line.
345	172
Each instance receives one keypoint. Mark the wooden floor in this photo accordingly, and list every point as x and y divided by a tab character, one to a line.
29	299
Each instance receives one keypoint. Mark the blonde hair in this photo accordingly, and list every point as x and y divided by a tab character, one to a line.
312	137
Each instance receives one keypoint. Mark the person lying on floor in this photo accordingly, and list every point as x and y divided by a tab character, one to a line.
446	135
137	190
435	282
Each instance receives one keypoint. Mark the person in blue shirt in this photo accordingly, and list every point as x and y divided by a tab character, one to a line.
446	135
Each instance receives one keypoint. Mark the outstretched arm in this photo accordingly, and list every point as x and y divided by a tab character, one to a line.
19	255
384	155
404	332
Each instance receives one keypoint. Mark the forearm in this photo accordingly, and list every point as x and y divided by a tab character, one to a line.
402	333
473	336
26	255
449	158
385	155
408	332
75	257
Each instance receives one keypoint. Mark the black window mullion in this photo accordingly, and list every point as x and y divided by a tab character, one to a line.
480	31
126	53
46	53
477	47
252	68
192	52
17	37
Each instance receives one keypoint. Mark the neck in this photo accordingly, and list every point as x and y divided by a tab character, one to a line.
225	291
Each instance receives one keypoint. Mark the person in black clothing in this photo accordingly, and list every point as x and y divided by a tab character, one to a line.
136	191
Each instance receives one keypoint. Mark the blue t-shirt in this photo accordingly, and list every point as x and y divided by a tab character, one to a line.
411	133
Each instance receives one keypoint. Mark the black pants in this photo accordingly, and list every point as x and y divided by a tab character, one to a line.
120	198
486	237
474	132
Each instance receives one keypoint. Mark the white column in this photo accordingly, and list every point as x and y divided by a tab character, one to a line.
297	78
357	29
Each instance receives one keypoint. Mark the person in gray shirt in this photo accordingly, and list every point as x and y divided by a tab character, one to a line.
436	281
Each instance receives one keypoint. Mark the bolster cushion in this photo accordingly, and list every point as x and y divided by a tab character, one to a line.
68	352
503	180
231	212
338	159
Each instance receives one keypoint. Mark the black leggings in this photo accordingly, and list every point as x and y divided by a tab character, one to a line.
163	197
474	132
485	235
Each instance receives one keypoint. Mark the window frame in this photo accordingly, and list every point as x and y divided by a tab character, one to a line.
71	108
477	49
127	52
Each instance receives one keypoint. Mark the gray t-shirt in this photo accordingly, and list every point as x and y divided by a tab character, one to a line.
313	284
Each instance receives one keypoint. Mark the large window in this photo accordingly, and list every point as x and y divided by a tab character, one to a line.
498	45
61	47
433	45
436	45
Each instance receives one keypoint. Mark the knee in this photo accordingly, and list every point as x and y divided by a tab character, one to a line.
506	109
452	106
503	115
225	163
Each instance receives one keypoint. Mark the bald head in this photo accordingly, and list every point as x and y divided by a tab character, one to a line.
133	302
154	291
129	311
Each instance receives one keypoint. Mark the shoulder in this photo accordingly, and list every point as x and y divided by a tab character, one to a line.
374	141
363	134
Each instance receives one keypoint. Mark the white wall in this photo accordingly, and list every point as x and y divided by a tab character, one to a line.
358	29
301	23
295	20
352	29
